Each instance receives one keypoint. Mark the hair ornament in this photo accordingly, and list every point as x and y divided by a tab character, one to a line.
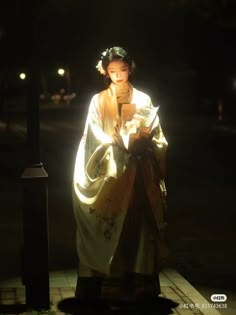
99	66
105	53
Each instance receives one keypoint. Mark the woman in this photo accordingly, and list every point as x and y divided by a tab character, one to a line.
118	188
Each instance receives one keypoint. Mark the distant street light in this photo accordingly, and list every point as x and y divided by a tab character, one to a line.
65	73
22	76
61	72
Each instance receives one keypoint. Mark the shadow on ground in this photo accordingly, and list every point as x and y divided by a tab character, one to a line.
12	308
160	305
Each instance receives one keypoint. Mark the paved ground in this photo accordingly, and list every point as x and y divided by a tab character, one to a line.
174	289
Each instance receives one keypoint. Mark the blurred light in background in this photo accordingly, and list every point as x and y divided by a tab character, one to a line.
61	72
22	76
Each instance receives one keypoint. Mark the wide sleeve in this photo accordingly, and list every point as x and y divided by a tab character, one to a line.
160	144
94	161
95	122
158	151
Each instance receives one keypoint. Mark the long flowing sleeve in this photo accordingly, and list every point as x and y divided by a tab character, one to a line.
99	191
94	162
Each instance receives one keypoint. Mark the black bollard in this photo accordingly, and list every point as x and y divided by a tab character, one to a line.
35	275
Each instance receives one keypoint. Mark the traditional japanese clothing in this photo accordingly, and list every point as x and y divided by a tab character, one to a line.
118	196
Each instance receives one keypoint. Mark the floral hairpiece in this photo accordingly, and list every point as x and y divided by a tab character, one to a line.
99	66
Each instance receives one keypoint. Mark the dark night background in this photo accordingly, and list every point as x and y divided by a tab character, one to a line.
183	49
185	53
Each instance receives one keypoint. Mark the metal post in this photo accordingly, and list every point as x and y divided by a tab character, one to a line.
35	274
35	253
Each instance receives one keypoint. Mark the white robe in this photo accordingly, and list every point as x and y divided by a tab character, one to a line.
103	182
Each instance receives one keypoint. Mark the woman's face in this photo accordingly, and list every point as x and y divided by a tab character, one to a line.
118	72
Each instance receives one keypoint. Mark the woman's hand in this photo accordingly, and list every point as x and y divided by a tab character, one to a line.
139	143
117	139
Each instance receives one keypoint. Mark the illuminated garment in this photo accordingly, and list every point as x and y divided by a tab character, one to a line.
118	197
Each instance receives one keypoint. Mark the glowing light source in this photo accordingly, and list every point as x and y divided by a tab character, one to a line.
61	72
22	76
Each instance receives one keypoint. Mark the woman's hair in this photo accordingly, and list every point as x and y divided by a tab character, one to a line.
112	54
117	53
